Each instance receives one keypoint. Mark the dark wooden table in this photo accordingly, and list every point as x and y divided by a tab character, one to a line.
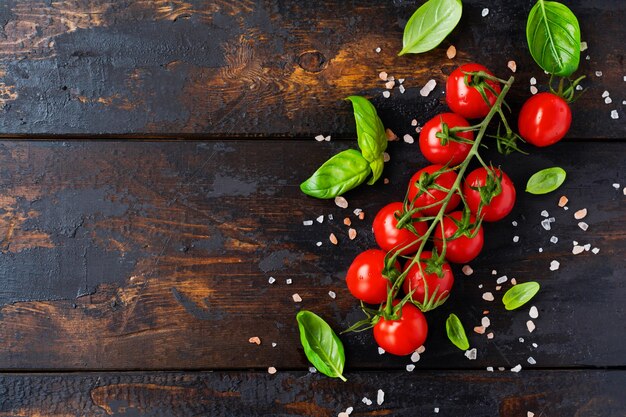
149	179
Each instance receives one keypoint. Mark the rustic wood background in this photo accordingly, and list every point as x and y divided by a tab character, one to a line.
149	178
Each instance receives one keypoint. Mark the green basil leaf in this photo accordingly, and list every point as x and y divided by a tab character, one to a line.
546	180
520	294
339	174
370	131
377	169
321	345
430	24
456	332
553	36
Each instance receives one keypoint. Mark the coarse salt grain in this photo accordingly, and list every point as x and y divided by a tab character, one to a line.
318	244
410	367
271	370
533	81
535	345
516	368
479	329
366	401
515	239
545	213
274	344
494	272
584	226
312	369
485	12
332	294
471	354
467	270
333	239
554	239
587	246
545	223
598	73
320	219
288	281
436	409
349	410
330	216
319	138
554	265
347	221
381	351
343	414
351	233
512	65
271	280
563	201
451	52
390	84
413	122
498	287
386	94
378	50
530	414
401	89
540	250
480	285
341	202
578	249
485	322
514	223
531	360
583	46
408	138
400	80
255	340
530	325
421	349
488	296
624	191
380	397
386	157
490	369
357	211
502	279
616	185
415	356
521	340
513	281
614	115
605	94
595	250
307	222
428	87
383	75
362	214
608	100
391	136
490	335
296	298
533	89
533	312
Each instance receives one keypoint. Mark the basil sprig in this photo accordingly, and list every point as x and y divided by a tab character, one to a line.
430	24
321	345
456	332
553	36
520	294
546	180
350	168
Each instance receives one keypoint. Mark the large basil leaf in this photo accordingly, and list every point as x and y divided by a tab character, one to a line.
430	24
339	174
369	128
377	169
553	36
321	345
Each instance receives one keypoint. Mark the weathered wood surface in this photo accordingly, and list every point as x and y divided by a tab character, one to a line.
230	68
130	255
455	394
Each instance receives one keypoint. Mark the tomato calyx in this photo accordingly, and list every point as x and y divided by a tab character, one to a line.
478	80
465	226
568	94
448	134
491	189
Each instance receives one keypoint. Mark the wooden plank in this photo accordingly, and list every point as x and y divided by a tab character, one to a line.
128	255
544	393
229	68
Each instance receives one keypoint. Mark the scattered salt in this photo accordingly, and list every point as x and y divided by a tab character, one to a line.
341	202
533	89
584	226
378	50
578	249
485	12
366	401
515	239
540	250
554	265
430	86
531	360
381	351
274	344
451	52
530	414
271	370
595	250
467	270
479	329
296	298
386	157
421	349
436	409
502	279
535	345
319	138
320	219
414	122
605	94
312	369
308	222
485	322
545	213
521	340
410	367
545	223
380	397
587	246
583	46
490	369
514	223
343	414
598	73
498	287
357	211
271	280
512	65
390	84
533	313
488	296
351	233
530	325
490	335
255	340
408	138
471	354
333	239
415	357
554	239
616	185
402	89
494	272
516	368
614	115
563	201
288	281
332	294
330	216
533	81
383	76
608	100
513	281
386	94
318	244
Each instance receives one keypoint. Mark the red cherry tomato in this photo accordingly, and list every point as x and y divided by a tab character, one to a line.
462	249
452	153
389	237
500	205
403	336
544	119
433	196
466	100
365	277
438	286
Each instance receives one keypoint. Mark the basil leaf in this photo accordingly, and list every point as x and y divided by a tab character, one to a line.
546	180
430	24
520	294
339	174
553	36
377	169
456	332
321	345
370	131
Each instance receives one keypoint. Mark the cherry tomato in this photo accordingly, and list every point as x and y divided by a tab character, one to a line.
544	119
389	237
462	249
431	195
403	336
452	153
466	100
500	205
365	277
439	286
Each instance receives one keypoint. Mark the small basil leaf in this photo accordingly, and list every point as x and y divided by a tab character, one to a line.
369	128
321	345
430	24
553	36
339	174
546	180
520	294
377	169
456	332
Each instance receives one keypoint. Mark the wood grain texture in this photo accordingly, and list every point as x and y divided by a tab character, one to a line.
130	255
455	394
229	68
